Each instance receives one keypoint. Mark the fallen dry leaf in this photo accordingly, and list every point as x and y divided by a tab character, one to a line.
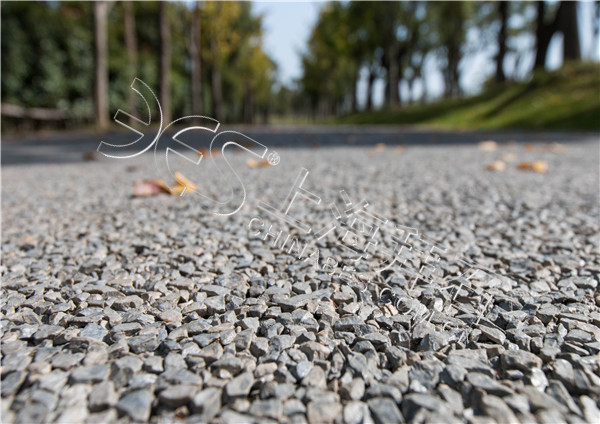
487	145
182	181
201	151
147	189
400	149
496	165
253	163
538	166
163	186
177	190
509	157
154	187
529	147
90	156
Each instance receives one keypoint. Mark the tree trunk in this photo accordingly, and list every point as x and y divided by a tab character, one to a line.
503	10
393	76
543	34
196	62
101	45
131	48
355	91
165	62
410	82
370	89
455	61
216	80
566	22
452	75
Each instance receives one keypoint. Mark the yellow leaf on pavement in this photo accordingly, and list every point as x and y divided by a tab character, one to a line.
253	163
538	166
496	165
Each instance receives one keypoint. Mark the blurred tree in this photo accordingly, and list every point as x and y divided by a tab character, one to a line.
165	60
131	49
421	44
543	33
218	19
241	74
101	43
387	17
44	65
562	19
361	44
503	12
329	71
78	59
567	23
448	20
196	63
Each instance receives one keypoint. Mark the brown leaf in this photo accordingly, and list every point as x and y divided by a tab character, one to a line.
529	147
163	186
90	156
400	149
524	166
201	151
538	166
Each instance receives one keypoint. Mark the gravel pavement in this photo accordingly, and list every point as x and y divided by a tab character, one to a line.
123	309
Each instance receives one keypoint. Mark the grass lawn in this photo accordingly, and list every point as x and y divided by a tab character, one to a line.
565	99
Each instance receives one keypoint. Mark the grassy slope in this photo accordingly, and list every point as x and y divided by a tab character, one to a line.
564	99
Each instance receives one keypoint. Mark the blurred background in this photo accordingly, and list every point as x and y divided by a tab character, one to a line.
465	65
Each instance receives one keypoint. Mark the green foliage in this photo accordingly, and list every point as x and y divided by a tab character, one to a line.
329	71
563	99
48	56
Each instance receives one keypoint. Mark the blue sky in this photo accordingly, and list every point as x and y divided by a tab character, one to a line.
288	24
287	29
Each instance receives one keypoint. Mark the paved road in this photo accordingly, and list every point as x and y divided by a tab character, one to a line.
71	147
